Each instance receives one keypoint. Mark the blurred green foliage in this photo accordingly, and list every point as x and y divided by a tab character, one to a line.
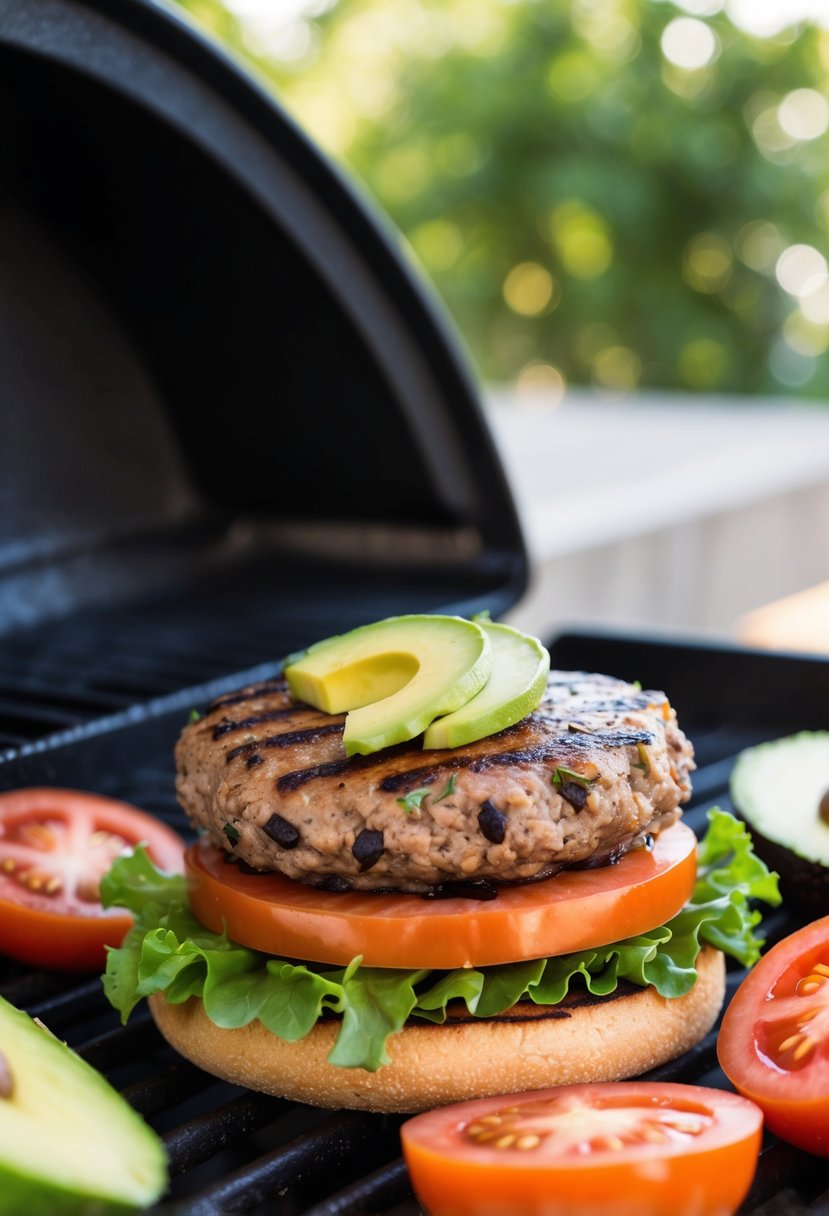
589	210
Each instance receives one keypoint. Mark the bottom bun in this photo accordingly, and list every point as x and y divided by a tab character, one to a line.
530	1047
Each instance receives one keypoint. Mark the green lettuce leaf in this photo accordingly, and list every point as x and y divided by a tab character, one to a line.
168	950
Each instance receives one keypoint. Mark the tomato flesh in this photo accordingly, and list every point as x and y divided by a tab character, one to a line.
637	1148
55	846
576	910
774	1042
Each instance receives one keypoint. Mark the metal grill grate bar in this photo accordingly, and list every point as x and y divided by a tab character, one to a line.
199	1139
328	1147
164	1090
379	1192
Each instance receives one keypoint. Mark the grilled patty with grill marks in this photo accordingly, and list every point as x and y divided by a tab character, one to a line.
585	777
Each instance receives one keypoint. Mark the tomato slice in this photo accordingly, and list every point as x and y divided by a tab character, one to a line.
576	910
774	1042
630	1148
55	846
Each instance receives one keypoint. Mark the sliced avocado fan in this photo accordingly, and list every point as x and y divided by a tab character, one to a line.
69	1143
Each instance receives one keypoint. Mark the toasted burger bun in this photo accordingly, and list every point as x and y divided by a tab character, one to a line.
584	1039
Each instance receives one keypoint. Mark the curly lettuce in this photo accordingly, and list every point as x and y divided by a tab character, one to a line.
168	950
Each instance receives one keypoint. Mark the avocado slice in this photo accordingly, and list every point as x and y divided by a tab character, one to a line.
394	676
69	1143
779	788
520	666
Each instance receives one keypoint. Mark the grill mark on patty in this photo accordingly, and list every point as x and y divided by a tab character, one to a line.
289	739
560	747
276	684
289	782
272	715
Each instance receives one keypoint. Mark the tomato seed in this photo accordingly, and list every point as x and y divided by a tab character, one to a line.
39	836
821	969
8	865
653	1135
804	1048
688	1127
505	1141
526	1142
6	1079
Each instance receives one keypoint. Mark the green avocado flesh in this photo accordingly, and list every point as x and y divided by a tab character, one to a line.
69	1143
520	666
393	677
777	788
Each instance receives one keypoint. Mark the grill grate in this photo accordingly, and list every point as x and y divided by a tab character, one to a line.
66	673
234	1151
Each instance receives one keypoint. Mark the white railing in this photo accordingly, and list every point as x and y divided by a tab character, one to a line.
664	511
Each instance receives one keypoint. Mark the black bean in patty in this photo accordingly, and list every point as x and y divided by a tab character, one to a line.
574	793
282	832
492	822
368	848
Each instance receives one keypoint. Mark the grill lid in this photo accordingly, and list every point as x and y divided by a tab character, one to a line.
212	349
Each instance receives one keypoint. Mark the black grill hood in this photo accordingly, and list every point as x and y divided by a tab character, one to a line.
219	377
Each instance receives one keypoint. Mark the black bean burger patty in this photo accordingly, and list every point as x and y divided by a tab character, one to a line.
589	774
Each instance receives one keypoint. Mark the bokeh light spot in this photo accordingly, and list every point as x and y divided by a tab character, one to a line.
703	363
803	336
528	289
438	243
702	8
582	240
759	244
404	172
708	263
617	368
801	269
804	114
815	306
689	43
542	385
573	75
769	136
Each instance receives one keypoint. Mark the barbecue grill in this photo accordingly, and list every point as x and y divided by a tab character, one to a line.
232	424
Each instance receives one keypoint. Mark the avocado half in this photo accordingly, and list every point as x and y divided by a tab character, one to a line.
778	788
69	1143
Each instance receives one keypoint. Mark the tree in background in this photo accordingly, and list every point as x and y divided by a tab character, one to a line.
603	191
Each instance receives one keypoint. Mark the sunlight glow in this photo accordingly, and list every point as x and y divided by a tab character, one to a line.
801	270
688	43
804	114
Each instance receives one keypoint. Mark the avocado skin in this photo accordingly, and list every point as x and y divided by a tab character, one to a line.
34	1197
802	882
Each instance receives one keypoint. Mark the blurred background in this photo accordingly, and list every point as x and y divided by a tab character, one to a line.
624	206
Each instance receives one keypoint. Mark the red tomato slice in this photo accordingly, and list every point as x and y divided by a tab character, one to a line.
55	846
575	910
774	1041
630	1148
